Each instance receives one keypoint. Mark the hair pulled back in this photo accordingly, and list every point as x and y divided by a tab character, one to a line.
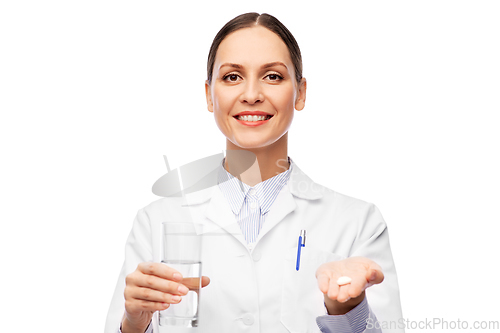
253	19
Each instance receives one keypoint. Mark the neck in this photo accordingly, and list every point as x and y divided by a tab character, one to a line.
252	166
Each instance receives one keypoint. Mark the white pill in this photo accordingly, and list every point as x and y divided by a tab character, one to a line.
344	280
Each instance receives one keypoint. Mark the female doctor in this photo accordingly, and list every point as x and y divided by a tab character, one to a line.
251	282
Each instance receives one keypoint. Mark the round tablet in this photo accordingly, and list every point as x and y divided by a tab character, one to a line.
344	280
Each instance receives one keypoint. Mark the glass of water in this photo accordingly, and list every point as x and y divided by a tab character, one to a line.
181	250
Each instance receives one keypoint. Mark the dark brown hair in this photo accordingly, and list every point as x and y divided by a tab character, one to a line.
253	19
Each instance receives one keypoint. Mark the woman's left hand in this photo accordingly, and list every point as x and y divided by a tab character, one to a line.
341	299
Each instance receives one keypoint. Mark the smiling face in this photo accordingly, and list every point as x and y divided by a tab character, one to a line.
254	92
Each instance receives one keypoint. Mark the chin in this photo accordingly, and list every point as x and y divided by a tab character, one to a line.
247	145
252	144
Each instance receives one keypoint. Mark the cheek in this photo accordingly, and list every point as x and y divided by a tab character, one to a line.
222	107
285	101
221	100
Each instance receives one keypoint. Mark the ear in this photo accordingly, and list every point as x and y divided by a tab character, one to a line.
300	101
208	94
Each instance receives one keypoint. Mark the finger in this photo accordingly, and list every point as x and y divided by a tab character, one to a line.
323	282
356	287
333	289
160	284
146	294
161	270
138	306
343	293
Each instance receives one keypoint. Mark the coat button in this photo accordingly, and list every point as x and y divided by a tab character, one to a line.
256	256
248	319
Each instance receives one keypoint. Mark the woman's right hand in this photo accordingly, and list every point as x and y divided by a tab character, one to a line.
152	287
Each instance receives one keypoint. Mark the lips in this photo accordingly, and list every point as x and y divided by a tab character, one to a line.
253	118
252	113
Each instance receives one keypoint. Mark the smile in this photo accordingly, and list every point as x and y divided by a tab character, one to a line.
252	120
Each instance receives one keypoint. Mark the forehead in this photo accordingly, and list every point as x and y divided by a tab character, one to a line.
248	46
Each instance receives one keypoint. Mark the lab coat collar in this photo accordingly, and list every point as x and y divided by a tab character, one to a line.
219	212
302	186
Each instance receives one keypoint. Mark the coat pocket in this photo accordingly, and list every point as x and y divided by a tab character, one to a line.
301	300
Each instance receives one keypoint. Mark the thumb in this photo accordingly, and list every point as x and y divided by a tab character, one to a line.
205	281
374	276
194	283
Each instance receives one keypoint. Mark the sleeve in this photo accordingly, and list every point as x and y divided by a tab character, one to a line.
352	322
148	330
138	249
372	241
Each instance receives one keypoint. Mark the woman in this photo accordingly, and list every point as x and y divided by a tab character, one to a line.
254	84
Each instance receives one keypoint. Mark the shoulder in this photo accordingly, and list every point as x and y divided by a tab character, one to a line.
345	208
345	204
162	207
302	186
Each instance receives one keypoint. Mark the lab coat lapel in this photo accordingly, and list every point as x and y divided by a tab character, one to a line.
299	186
282	206
211	204
219	212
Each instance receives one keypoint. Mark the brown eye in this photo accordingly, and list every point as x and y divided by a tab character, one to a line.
274	77
231	77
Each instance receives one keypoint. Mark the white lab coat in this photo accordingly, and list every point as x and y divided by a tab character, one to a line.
259	289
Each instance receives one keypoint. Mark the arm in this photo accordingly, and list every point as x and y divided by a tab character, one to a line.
353	321
370	255
144	286
137	249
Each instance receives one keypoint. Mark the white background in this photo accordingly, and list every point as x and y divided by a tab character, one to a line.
402	111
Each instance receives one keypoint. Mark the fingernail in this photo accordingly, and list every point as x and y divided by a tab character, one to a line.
176	298
177	276
183	289
344	300
373	276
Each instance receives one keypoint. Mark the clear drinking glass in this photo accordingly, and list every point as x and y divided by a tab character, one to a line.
181	250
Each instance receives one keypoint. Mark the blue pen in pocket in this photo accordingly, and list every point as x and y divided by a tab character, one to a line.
301	244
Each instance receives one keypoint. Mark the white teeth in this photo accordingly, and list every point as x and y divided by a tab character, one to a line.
252	118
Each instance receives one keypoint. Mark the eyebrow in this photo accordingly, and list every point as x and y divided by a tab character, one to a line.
271	64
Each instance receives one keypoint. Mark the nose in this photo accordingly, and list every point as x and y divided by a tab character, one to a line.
252	92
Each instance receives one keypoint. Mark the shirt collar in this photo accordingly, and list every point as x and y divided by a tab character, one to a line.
236	191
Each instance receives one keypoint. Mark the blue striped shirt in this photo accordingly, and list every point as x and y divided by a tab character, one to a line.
250	206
